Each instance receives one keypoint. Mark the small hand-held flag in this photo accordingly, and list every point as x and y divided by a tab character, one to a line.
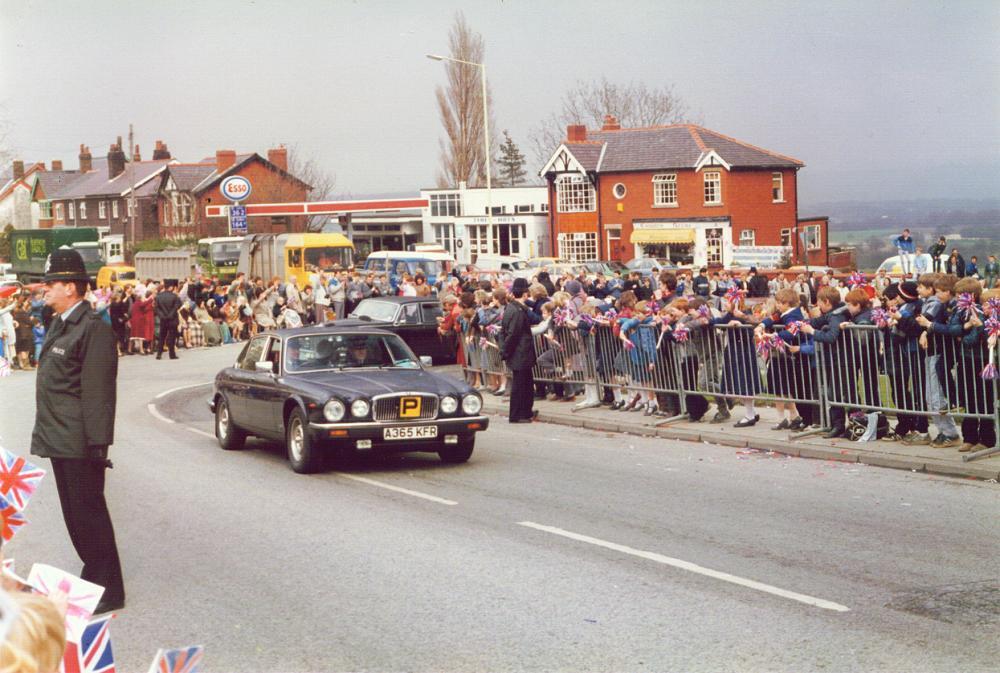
11	520
93	654
183	660
18	478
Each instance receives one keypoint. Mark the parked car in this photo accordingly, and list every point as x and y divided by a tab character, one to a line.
342	389
412	318
894	267
607	267
651	267
501	263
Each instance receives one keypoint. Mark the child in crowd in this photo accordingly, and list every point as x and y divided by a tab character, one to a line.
826	330
863	348
740	375
785	374
36	641
935	309
905	365
38	334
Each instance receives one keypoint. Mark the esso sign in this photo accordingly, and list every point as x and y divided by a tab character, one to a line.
236	188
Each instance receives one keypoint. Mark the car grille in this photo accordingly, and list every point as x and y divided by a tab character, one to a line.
387	408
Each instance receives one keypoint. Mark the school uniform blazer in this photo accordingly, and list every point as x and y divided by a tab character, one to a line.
76	388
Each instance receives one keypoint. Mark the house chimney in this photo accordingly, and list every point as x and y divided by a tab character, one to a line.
86	161
57	164
611	123
136	156
18	169
279	157
224	159
161	152
576	133
116	160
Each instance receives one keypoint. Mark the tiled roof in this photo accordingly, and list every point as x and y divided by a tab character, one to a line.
96	182
189	176
665	147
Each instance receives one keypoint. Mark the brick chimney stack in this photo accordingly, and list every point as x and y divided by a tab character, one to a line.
611	123
279	157
18	169
57	164
136	156
86	161
576	133
224	159
160	152
116	160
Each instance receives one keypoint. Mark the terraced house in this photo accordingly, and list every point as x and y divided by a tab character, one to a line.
680	192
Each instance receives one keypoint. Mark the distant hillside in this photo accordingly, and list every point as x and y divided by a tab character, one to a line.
971	225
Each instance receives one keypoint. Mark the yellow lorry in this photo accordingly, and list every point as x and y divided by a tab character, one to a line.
294	256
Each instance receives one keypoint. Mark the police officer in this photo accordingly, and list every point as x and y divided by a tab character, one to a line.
167	304
75	419
518	351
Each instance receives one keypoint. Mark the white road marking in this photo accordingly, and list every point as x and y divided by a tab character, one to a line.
199	432
174	390
398	489
155	412
692	567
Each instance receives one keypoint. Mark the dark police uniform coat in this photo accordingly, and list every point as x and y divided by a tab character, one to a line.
518	348
75	392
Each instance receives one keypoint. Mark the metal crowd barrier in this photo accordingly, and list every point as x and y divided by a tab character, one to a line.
866	370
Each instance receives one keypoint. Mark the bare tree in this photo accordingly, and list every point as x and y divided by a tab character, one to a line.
306	168
635	104
460	105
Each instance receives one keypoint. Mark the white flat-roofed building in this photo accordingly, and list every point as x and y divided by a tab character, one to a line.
458	221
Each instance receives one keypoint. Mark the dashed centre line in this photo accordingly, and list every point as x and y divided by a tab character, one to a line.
690	567
397	489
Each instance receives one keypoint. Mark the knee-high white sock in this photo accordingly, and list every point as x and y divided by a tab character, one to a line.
748	408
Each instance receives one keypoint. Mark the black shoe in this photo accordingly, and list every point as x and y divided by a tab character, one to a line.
534	414
159	357
615	406
747	422
174	357
836	433
109	604
523	420
783	425
797	424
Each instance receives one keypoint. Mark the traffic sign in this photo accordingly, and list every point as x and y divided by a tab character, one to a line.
237	220
236	188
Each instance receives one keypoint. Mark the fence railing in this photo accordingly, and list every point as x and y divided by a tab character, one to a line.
867	369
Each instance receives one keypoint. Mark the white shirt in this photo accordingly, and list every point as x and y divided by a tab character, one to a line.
65	314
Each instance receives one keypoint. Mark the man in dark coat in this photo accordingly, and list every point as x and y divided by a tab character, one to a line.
75	419
518	351
166	305
757	284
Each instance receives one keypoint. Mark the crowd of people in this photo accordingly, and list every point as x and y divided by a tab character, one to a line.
689	308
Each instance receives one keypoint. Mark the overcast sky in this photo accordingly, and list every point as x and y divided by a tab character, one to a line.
881	100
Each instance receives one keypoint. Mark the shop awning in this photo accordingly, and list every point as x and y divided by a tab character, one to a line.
662	236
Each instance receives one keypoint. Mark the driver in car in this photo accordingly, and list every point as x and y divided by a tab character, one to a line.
293	360
357	354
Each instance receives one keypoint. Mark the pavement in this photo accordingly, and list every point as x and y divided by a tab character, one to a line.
760	438
555	548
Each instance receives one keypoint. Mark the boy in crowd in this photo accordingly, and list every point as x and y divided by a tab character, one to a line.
826	330
905	366
935	310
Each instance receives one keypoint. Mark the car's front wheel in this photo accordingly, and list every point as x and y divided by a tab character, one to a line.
304	455
458	453
231	438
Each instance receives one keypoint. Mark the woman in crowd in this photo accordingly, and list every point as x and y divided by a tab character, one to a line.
118	311
24	338
213	335
141	325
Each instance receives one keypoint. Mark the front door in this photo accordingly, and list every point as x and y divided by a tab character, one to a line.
244	407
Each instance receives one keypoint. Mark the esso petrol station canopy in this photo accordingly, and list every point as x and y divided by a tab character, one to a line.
320	207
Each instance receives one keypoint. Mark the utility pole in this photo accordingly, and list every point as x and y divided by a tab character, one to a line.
131	192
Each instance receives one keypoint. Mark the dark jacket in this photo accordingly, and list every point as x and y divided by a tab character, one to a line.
166	305
518	348
76	388
701	285
955	265
757	286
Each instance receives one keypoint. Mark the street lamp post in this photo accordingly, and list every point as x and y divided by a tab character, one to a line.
486	138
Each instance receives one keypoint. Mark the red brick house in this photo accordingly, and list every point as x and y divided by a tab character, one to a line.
186	189
681	192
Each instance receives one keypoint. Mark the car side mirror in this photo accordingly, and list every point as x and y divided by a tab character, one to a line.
265	366
426	360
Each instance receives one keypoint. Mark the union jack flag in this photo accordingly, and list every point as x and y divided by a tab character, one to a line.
18	478
10	519
93	654
183	660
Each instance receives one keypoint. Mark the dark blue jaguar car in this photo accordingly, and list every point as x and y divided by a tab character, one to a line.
343	390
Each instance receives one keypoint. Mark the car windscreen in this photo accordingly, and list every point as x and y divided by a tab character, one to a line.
383	311
427	267
327	257
225	252
126	275
325	352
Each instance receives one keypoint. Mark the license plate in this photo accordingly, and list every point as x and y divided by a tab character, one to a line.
411	432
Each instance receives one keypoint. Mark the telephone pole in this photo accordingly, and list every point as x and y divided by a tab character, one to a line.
131	191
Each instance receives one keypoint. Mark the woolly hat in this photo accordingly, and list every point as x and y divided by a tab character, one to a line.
908	290
519	287
573	287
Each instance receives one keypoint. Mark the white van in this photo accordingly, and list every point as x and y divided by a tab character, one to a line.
893	267
501	263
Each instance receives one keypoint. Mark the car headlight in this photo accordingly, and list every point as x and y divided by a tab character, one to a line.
448	405
334	410
359	408
471	404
